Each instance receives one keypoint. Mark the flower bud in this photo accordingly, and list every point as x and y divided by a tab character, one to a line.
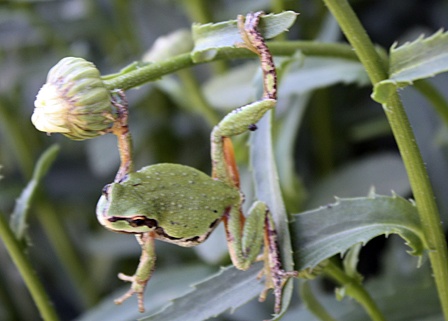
74	101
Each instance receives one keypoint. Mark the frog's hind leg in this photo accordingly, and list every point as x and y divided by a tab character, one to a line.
276	277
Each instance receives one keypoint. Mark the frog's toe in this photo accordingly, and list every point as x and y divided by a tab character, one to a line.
127	278
124	297
275	280
136	288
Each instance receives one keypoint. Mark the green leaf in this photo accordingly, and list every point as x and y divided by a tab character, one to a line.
208	38
334	228
351	260
268	190
226	290
422	58
19	215
402	291
320	72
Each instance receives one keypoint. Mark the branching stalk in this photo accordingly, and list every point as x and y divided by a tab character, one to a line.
153	71
412	159
354	289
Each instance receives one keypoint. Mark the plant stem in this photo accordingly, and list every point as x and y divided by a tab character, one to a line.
29	276
154	71
412	159
355	290
312	304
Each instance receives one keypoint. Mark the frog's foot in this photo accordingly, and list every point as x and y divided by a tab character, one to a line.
136	288
247	26
276	278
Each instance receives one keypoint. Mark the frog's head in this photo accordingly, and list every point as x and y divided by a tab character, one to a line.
116	211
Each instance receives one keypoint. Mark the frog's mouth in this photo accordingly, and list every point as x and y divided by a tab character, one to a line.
135	221
130	224
141	224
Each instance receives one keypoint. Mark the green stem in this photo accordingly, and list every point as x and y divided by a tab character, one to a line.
154	71
312	304
355	290
418	178
26	271
312	48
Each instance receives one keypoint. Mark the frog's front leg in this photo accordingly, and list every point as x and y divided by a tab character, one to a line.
144	270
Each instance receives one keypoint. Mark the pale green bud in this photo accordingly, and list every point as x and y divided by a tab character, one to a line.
74	101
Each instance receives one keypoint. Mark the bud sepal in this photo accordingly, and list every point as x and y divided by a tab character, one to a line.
74	101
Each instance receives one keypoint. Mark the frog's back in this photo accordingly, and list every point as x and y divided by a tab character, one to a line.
186	203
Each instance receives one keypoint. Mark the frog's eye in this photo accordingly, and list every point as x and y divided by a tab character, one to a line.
137	222
142	221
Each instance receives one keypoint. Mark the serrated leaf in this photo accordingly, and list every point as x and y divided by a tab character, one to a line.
208	38
268	190
19	215
226	290
334	228
422	58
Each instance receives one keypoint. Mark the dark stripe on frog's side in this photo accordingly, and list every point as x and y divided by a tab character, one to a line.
153	224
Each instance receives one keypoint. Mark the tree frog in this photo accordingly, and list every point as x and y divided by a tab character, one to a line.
181	205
